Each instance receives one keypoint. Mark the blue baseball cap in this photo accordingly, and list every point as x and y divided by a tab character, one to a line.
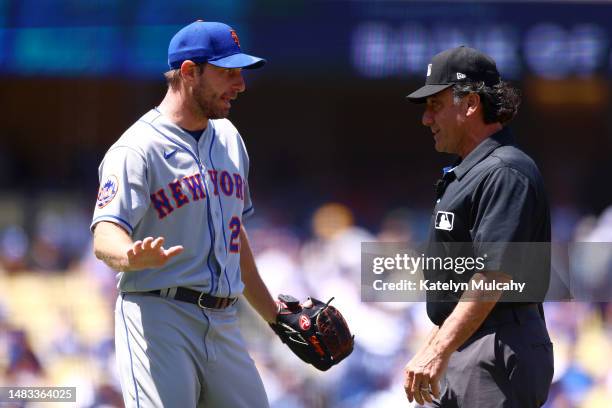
215	43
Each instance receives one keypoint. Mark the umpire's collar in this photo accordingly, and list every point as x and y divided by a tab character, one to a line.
483	150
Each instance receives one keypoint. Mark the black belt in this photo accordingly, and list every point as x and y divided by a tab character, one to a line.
204	300
512	313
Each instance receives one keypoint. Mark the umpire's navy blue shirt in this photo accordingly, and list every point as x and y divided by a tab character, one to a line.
494	195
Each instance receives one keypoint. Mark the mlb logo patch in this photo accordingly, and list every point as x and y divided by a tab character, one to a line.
445	220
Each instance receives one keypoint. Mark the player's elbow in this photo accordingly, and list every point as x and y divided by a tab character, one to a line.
98	253
100	239
98	248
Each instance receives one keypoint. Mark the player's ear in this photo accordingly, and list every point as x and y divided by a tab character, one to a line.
189	70
472	101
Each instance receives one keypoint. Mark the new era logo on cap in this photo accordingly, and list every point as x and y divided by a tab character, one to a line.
429	70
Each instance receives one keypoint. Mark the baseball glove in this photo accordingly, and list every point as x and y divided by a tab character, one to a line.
315	331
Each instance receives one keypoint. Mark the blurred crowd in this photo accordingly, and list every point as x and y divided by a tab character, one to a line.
56	315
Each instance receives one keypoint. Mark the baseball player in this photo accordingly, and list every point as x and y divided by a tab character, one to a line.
169	217
489	352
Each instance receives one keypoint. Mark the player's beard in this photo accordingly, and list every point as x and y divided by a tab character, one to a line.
206	102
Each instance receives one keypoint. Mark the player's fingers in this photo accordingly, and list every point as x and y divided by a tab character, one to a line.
159	241
146	244
173	251
137	247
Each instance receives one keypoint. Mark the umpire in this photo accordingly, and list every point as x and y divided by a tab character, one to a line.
484	350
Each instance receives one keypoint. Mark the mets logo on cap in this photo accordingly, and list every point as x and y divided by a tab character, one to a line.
235	37
108	191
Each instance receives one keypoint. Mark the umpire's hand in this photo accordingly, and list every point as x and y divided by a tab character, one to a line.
423	374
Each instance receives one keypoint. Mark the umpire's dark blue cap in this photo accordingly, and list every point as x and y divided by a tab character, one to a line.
214	43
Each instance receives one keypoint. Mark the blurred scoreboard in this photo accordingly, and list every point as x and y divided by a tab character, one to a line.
553	39
367	39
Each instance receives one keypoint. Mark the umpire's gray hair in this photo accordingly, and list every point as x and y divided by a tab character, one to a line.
500	102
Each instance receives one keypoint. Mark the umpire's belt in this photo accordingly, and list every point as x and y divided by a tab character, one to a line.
204	300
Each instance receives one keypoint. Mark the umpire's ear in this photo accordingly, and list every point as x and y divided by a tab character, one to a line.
472	103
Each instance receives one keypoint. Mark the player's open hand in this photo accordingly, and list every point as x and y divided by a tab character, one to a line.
150	253
423	374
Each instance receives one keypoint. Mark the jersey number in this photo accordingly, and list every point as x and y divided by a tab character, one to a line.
234	226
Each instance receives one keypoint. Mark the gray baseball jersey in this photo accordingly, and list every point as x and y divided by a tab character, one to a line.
157	180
